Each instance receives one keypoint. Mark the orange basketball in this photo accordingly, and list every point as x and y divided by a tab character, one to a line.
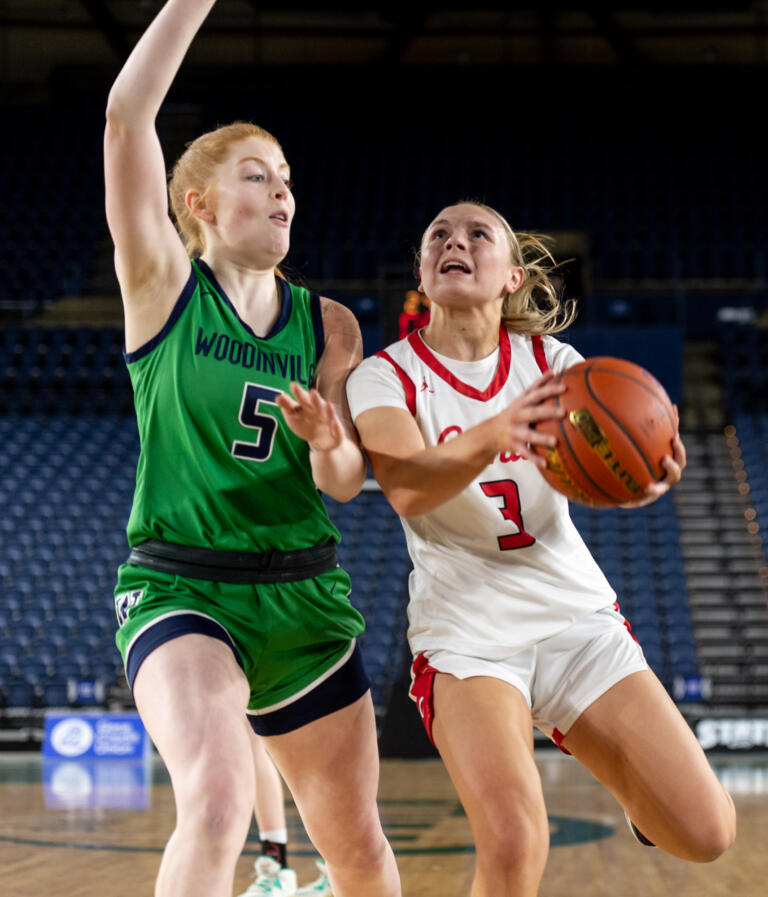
619	425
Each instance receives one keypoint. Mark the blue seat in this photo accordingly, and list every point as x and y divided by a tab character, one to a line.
20	693
66	668
7	669
55	694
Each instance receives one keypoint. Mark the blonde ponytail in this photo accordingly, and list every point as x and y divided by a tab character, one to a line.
537	307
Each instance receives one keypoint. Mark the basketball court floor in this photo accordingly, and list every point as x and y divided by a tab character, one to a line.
78	830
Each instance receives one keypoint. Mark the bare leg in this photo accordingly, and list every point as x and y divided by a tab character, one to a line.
332	769
269	808
484	732
634	740
192	697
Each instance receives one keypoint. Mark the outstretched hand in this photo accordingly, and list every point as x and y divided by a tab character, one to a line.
515	427
673	465
312	418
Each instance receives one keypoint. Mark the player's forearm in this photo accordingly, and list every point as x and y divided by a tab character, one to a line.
339	472
146	77
423	481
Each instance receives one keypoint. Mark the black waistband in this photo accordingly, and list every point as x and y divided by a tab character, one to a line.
234	566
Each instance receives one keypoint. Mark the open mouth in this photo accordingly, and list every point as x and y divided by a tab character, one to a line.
453	265
280	216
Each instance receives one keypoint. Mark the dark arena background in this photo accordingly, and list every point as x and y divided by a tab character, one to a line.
632	136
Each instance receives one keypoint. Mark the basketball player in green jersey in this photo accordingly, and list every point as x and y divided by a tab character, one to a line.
231	607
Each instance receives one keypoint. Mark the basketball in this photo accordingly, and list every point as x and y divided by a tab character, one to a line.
619	424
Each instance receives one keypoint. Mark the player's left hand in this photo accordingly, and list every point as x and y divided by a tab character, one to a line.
311	417
673	465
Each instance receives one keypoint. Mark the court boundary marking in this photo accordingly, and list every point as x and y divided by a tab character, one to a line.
568	830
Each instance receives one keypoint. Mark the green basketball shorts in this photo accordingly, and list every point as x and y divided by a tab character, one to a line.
295	641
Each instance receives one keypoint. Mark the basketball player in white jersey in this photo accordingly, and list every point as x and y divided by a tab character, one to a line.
512	623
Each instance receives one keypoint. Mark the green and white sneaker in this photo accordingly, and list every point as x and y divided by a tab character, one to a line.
271	880
320	887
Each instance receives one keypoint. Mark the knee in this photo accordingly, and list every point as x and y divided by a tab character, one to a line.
513	841
360	845
215	809
714	835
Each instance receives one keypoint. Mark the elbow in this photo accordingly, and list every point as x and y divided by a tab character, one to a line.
407	504
115	129
341	489
124	116
400	506
343	494
115	113
412	511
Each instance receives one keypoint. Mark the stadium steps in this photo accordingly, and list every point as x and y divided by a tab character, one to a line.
723	560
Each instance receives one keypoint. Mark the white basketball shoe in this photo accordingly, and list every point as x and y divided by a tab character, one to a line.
320	887
271	880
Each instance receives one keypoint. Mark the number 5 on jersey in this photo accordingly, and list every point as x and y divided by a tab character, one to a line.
510	510
257	399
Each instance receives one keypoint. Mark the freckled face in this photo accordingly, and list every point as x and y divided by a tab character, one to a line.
465	257
253	202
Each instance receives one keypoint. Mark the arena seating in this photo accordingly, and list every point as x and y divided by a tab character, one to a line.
744	365
645	208
373	551
69	467
69	442
52	200
364	197
639	552
60	370
67	486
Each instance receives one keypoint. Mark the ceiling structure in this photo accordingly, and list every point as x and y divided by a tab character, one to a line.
38	35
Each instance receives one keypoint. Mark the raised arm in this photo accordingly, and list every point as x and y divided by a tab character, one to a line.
417	478
150	260
321	415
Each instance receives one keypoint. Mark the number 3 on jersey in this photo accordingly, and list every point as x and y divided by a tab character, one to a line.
509	510
256	399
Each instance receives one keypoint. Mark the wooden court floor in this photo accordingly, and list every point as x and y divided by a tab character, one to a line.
80	831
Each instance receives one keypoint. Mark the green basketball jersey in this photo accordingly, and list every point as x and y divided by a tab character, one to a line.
219	467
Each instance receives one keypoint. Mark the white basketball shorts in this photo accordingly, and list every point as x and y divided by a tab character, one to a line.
559	677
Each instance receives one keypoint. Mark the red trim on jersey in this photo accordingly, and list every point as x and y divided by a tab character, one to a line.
502	371
538	353
448	432
557	737
626	621
421	691
408	384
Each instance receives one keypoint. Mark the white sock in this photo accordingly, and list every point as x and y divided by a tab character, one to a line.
277	835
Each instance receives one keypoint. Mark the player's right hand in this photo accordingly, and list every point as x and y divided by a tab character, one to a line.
514	428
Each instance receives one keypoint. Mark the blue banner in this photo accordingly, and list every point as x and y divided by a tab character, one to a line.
95	735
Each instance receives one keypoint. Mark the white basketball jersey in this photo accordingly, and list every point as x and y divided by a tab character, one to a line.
500	566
